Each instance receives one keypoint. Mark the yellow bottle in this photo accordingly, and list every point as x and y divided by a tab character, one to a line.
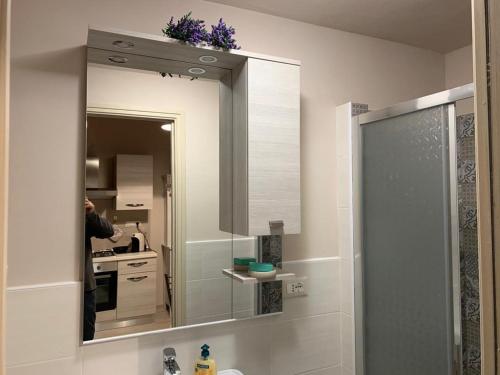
205	365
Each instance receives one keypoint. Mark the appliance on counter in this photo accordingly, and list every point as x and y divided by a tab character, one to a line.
103	253
106	277
138	242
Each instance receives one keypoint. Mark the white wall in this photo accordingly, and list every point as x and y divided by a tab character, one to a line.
48	112
458	67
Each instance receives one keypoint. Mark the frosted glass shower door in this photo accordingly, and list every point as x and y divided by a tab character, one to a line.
407	239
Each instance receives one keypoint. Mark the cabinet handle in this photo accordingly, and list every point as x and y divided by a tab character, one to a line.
134	204
136	279
138	264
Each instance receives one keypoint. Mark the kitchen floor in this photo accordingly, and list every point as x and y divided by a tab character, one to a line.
161	320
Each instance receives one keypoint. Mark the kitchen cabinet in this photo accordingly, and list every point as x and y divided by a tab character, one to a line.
136	288
265	150
137	265
134	182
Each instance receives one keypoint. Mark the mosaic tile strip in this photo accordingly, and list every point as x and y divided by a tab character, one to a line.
469	267
358	108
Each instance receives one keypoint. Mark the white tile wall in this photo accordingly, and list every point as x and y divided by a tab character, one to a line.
66	366
345	239
42	322
43	335
210	295
322	285
300	345
335	370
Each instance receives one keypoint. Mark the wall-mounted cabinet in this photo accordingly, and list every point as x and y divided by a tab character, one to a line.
265	148
259	123
134	182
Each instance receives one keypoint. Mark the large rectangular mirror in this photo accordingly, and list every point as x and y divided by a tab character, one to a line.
159	186
152	209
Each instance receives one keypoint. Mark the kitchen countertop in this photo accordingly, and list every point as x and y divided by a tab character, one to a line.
126	256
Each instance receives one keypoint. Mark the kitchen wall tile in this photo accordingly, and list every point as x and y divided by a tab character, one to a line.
43	322
66	366
305	344
322	279
347	328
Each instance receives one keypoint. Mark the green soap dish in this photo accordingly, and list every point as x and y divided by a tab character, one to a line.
261	270
244	261
241	264
261	267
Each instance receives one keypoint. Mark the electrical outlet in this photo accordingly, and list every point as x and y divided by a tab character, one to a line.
296	287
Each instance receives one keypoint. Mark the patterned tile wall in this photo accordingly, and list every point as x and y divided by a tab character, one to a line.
271	293
469	268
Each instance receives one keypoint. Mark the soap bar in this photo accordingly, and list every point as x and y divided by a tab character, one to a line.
241	264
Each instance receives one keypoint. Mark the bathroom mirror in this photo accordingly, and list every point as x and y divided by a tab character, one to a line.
153	175
184	183
157	139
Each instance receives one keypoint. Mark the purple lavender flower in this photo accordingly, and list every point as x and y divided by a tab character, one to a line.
222	36
186	29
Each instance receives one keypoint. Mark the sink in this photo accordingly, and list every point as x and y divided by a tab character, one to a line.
229	372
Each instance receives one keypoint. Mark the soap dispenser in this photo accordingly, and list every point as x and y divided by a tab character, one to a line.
205	365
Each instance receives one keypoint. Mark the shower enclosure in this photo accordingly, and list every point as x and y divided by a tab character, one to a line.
409	307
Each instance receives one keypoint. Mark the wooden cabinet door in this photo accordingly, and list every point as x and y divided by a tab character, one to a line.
273	146
136	295
134	182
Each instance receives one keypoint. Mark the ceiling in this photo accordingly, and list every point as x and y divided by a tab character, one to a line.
438	25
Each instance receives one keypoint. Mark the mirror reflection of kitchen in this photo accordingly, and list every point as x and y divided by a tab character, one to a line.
153	176
128	183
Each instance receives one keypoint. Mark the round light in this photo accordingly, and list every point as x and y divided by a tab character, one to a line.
118	59
208	59
197	71
123	44
167	127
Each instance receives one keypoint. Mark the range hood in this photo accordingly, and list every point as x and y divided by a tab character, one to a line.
95	181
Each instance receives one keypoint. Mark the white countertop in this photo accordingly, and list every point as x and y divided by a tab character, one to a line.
126	256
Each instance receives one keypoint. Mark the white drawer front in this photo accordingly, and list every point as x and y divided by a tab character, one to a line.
136	265
136	295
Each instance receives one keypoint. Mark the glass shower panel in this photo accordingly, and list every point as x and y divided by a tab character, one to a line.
406	245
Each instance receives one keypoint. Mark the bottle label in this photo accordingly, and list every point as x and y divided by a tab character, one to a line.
202	369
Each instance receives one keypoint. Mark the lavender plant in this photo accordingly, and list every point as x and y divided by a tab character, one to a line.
222	36
187	29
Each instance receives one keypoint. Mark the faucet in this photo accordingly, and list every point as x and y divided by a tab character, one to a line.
170	366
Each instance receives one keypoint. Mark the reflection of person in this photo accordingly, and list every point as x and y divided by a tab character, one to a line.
95	226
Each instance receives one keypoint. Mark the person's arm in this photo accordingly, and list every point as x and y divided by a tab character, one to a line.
98	226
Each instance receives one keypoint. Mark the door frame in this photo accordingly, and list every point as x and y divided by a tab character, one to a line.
486	57
178	161
448	99
4	163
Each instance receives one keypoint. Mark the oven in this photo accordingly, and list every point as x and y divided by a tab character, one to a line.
106	277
